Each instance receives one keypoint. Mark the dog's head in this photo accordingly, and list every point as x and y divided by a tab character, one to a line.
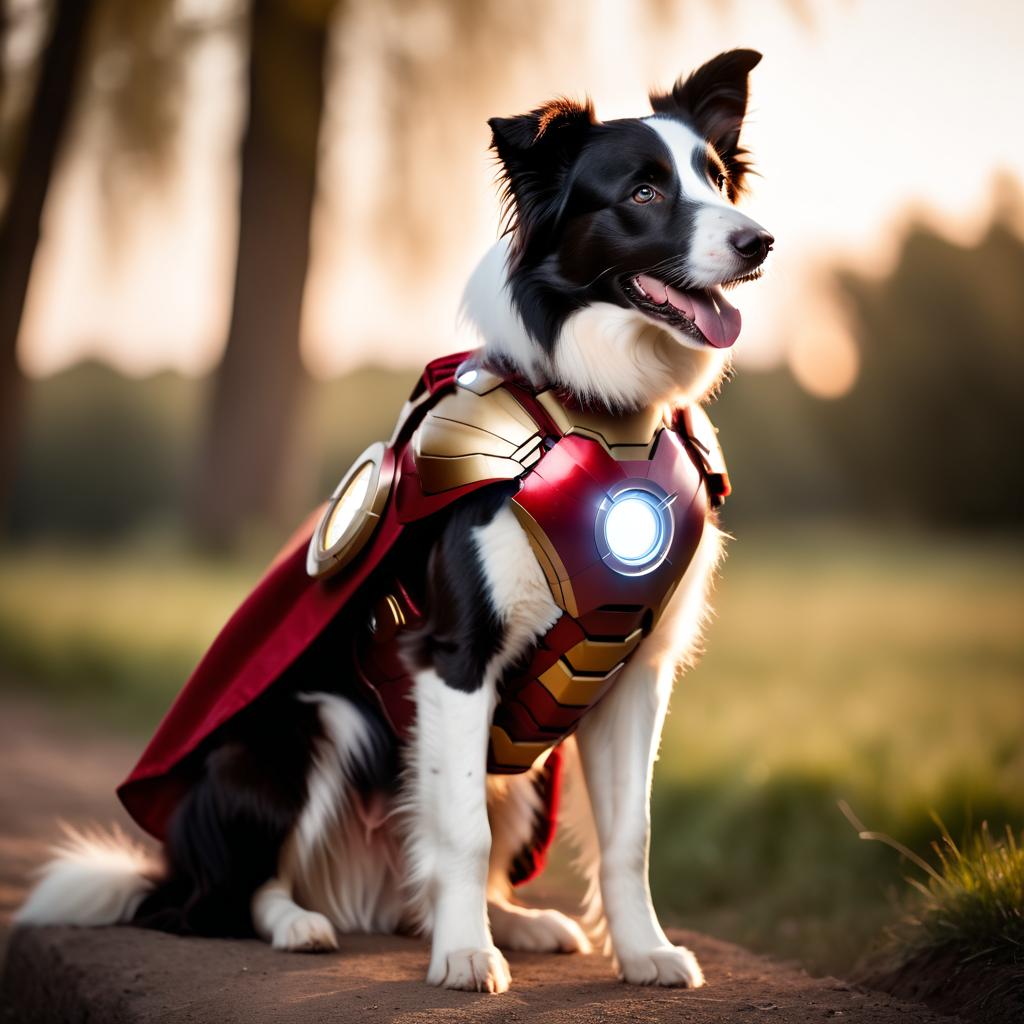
634	217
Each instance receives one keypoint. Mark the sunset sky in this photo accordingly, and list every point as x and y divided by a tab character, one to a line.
864	114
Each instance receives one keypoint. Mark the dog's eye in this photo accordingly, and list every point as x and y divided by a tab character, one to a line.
643	194
723	184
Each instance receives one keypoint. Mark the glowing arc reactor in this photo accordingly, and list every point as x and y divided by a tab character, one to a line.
634	528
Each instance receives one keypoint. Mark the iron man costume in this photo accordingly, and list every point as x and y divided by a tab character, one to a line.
614	506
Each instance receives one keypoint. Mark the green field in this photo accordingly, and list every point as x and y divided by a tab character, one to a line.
886	671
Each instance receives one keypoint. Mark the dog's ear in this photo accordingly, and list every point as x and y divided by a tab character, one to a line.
714	101
536	151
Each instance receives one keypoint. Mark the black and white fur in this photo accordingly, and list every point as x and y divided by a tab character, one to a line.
305	820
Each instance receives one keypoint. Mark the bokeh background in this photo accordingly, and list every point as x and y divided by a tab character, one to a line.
230	236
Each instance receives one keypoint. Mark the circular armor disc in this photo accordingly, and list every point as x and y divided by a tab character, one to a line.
352	514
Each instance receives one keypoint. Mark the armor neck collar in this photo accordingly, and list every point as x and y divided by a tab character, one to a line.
624	435
631	426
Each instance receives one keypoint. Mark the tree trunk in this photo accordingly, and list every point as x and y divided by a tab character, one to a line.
248	446
44	129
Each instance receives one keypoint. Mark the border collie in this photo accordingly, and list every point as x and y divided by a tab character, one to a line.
609	285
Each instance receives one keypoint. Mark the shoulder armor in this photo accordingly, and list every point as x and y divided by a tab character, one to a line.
695	426
477	432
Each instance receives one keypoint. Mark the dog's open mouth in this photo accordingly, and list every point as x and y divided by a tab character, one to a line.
704	314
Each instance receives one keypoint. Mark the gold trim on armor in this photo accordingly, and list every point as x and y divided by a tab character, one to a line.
352	513
394	609
386	618
444	474
495	411
468	437
574	691
444	438
628	435
553	566
529	452
602	655
511	754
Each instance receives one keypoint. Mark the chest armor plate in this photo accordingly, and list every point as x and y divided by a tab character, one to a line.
614	507
614	536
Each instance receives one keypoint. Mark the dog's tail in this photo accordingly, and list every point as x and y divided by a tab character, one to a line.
94	878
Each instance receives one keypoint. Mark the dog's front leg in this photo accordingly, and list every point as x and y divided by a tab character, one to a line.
617	743
451	838
488	600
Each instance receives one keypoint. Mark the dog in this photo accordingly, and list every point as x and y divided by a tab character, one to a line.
303	816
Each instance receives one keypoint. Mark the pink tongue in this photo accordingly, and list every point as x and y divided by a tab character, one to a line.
681	301
720	326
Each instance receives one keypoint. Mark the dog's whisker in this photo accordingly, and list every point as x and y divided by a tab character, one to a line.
661	264
607	270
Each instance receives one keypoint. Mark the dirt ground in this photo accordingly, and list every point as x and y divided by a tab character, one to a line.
53	767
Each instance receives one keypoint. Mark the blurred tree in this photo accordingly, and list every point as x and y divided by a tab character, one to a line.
932	429
44	129
133	107
929	434
104	455
258	386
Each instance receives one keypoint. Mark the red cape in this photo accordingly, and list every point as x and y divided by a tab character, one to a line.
279	621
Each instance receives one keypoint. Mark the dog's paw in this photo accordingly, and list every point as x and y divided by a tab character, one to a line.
472	970
305	932
539	931
670	965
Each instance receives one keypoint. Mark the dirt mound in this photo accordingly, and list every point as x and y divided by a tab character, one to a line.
126	975
982	990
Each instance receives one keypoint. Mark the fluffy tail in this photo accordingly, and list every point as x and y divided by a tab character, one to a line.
95	878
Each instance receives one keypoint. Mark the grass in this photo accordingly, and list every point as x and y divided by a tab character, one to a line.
960	943
117	630
878	669
882	670
976	899
972	899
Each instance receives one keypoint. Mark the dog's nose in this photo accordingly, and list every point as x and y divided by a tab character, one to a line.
752	243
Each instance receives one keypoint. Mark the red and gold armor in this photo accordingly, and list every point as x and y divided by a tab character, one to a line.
614	506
